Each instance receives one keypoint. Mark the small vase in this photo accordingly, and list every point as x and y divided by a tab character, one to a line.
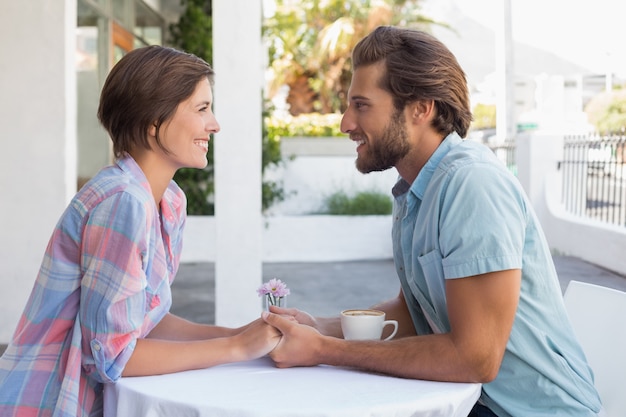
269	300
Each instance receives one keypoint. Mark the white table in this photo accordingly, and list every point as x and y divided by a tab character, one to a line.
259	389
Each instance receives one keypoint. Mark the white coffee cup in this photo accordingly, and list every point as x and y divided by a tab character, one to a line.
365	324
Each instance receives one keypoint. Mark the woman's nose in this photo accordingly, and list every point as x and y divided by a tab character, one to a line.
212	125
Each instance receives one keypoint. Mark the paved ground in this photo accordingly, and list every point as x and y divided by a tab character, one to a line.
324	289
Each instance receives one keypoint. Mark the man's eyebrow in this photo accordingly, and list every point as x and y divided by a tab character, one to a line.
357	97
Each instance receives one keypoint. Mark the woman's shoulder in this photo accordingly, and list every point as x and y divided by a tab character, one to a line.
111	182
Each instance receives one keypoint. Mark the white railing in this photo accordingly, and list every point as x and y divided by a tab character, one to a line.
593	177
540	162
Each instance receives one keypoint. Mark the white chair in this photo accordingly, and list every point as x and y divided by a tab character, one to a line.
598	315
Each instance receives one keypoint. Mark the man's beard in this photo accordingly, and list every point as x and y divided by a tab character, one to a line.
385	151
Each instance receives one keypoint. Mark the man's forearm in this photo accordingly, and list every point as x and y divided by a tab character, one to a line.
432	357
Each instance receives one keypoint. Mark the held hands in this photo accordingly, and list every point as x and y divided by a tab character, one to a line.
257	339
300	342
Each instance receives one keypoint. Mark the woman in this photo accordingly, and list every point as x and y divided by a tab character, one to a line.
100	305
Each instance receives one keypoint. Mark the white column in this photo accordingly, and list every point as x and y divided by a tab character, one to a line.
238	62
38	161
550	96
608	79
505	73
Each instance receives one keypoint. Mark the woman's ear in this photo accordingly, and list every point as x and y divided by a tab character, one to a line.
152	130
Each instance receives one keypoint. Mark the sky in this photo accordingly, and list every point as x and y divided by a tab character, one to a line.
585	32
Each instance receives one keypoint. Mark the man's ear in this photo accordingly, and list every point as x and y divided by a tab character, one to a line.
422	110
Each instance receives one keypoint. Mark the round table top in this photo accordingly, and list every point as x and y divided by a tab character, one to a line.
258	388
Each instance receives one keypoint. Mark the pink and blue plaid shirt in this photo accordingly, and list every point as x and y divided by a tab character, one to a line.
104	282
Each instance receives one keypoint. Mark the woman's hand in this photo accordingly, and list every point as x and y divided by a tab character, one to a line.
256	339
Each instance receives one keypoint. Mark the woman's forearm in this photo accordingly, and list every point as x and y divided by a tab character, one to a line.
172	327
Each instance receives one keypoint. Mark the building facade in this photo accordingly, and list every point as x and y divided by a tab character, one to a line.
105	31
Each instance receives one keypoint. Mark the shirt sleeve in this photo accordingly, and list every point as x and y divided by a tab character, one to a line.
113	289
483	221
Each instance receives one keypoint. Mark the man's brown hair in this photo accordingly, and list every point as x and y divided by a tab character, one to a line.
419	67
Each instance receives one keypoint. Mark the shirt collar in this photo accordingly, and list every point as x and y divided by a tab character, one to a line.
129	166
426	173
173	203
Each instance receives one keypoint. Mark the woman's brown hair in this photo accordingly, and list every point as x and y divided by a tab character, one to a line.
144	89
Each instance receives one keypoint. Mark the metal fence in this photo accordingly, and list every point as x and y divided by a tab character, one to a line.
505	152
594	183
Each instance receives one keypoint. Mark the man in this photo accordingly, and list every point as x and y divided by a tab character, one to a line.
480	299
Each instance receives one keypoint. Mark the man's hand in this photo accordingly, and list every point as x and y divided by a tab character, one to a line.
300	344
328	326
300	316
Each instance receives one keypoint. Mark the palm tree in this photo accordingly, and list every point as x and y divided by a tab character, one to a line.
310	41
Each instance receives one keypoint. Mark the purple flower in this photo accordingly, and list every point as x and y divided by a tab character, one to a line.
274	290
275	287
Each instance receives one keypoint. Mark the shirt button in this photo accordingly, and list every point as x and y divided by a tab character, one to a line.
96	348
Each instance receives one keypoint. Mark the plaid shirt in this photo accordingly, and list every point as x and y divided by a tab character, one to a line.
104	282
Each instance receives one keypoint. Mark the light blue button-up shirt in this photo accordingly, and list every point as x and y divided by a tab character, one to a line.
464	215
